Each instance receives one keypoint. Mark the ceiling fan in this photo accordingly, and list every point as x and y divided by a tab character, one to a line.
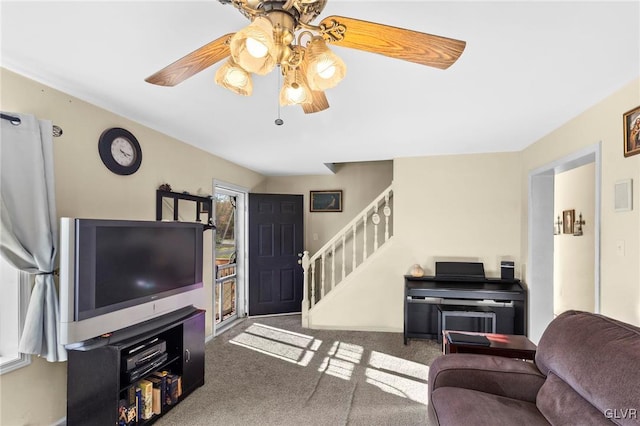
281	34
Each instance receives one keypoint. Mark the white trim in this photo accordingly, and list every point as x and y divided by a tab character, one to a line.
230	186
540	234
242	200
274	315
24	293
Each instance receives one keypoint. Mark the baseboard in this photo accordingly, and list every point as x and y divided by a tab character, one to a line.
358	328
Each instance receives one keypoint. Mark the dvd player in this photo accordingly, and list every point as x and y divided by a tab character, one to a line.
137	373
145	352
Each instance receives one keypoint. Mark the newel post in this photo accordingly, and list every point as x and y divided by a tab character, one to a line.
304	261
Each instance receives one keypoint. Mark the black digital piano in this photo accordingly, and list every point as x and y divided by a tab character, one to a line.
460	297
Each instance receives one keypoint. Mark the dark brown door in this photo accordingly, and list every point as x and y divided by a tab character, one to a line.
275	244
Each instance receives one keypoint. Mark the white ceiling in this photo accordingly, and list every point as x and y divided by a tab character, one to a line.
528	67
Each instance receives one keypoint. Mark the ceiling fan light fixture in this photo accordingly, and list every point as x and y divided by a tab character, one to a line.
324	68
233	77
253	47
295	90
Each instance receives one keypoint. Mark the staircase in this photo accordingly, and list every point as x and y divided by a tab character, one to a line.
343	254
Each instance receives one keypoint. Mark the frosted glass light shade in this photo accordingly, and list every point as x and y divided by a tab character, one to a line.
324	68
234	78
294	90
253	47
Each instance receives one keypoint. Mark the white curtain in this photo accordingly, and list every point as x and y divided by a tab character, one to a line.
29	232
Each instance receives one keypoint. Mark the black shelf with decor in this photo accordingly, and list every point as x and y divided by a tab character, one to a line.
97	375
204	204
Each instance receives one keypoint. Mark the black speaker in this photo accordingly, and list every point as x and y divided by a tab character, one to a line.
507	270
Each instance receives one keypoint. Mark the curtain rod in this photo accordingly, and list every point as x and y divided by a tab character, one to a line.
57	130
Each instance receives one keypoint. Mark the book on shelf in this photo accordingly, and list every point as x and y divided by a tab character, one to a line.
157	394
172	388
162	375
138	403
132	404
146	388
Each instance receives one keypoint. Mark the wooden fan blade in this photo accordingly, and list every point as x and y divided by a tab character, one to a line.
192	63
319	103
398	43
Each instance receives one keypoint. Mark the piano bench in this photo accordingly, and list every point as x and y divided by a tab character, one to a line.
480	318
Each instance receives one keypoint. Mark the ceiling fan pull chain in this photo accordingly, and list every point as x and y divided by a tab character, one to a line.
279	121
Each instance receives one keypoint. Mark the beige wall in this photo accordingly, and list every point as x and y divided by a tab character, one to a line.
85	188
620	275
360	183
573	263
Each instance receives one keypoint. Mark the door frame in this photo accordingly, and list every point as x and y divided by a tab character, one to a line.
540	241
242	260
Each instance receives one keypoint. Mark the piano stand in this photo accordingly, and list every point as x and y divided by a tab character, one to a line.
471	318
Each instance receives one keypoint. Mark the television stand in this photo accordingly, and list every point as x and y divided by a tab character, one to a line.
97	376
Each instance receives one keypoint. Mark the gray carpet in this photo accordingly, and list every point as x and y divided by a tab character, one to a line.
271	371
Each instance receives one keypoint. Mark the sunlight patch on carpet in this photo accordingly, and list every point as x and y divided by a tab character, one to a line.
278	343
346	352
397	385
280	335
391	374
391	363
337	368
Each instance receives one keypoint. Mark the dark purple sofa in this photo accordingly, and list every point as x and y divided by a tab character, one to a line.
586	372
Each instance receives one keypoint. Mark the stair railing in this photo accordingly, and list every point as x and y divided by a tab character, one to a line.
347	250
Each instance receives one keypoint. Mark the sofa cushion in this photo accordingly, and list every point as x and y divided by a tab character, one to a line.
491	374
561	405
457	406
597	357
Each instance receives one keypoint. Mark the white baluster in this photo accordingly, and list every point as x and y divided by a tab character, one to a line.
364	235
322	277
305	289
313	283
353	264
387	212
333	266
375	218
344	254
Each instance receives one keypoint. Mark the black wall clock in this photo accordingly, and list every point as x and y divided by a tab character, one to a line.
120	151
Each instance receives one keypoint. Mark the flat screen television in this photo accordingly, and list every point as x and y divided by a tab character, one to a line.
118	273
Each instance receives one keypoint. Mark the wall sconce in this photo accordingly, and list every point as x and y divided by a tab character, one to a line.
577	229
557	229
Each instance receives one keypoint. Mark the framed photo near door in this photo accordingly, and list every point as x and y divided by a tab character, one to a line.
631	123
568	218
325	201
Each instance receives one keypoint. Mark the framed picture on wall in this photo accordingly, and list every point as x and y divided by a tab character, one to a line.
631	123
568	218
325	201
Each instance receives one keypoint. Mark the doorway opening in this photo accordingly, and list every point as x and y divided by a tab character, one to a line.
541	214
229	260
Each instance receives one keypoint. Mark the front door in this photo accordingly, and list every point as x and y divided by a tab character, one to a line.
275	245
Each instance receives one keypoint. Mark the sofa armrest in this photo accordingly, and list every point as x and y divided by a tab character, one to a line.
507	377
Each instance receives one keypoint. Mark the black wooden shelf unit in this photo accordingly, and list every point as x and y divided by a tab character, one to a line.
204	204
96	376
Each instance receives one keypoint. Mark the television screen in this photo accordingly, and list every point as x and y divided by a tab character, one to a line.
139	262
126	264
